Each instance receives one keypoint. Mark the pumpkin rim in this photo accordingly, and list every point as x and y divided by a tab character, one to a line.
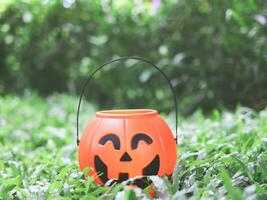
126	113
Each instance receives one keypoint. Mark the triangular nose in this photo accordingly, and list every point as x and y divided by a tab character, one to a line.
125	157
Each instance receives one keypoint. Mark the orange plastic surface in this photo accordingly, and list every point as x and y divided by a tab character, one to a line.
126	124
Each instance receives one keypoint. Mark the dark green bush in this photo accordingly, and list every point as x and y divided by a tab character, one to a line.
214	51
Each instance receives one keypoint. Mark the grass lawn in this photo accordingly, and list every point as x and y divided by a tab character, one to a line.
223	155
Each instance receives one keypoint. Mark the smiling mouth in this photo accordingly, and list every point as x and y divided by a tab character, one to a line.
151	169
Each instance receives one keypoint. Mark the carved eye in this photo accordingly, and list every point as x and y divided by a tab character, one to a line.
138	137
113	138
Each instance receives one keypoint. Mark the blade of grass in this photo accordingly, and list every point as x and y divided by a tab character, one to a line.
233	193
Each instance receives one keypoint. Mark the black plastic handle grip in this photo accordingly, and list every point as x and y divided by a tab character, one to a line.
127	58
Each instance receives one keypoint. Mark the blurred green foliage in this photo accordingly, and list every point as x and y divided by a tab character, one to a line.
215	52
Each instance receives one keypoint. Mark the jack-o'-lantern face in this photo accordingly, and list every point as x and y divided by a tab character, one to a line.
127	158
122	146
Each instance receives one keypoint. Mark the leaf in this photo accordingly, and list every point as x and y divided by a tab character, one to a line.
63	172
7	189
233	193
176	177
130	195
86	171
99	191
56	185
88	183
89	197
23	192
245	168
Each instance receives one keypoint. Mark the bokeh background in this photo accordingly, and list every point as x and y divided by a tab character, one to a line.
214	52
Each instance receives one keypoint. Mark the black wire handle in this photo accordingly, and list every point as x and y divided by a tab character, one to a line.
126	58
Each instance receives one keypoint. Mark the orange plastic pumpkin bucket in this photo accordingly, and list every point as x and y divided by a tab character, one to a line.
122	144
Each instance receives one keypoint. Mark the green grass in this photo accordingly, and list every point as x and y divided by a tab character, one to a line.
220	155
